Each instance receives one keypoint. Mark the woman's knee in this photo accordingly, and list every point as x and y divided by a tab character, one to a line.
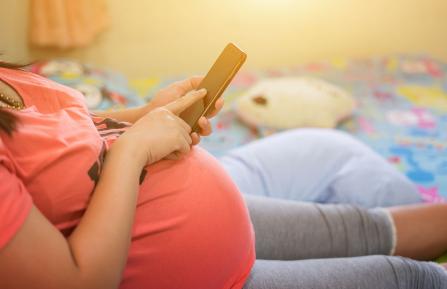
370	181
297	164
360	175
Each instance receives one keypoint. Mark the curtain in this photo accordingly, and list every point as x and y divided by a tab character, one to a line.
66	23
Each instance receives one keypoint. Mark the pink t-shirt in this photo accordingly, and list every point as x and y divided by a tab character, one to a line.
191	230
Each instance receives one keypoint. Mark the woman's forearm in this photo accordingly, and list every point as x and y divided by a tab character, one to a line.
95	254
101	240
130	115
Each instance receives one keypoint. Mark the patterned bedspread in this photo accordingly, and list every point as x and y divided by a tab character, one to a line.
401	112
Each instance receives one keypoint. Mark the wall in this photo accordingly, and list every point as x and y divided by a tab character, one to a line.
175	36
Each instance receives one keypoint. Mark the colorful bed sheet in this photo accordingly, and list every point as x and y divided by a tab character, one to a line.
401	111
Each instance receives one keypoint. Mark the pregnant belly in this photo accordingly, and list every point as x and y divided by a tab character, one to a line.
192	228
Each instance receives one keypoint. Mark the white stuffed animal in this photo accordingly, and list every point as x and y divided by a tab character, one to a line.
283	103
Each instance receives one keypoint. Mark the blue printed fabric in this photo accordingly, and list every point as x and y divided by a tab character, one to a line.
401	107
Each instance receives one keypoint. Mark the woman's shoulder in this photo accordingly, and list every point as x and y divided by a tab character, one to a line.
46	94
23	76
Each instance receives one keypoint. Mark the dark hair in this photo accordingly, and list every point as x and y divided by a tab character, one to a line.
8	120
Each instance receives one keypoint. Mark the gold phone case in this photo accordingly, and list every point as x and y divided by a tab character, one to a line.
216	81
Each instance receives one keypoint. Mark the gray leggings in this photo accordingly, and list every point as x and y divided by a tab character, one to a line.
289	232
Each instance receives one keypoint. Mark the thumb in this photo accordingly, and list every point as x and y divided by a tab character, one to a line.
182	103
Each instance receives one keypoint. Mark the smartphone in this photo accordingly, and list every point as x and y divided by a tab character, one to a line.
215	82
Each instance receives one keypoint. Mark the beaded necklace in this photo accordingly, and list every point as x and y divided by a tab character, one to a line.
10	102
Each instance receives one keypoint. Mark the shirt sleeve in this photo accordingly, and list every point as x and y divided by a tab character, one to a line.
15	205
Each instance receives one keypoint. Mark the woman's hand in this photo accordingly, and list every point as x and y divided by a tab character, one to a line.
162	98
177	90
161	133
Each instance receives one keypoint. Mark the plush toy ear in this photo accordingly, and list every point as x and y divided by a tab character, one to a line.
260	100
92	94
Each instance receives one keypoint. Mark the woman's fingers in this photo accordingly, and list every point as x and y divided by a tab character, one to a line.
188	137
195	137
179	105
183	124
188	84
193	82
217	107
205	126
183	149
172	156
185	146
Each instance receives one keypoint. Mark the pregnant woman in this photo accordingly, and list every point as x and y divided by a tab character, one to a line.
125	200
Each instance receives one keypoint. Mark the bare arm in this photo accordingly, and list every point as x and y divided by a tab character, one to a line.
94	256
127	114
161	98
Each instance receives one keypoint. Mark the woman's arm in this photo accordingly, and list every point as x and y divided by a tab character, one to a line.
95	254
128	114
161	98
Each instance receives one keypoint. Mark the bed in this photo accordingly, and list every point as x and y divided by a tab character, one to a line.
401	107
